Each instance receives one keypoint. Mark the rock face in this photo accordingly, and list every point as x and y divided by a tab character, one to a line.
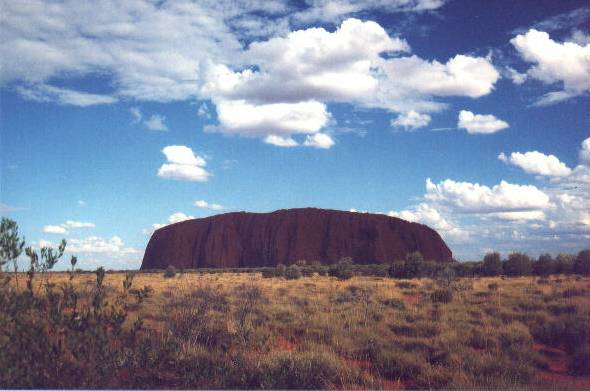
243	239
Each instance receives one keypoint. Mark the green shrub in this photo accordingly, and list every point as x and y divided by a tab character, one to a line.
413	266
570	332
582	263
445	277
518	264
293	272
406	285
212	299
564	263
343	269
170	271
479	340
280	270
421	329
544	266
559	309
514	334
393	365
492	264
394	303
441	296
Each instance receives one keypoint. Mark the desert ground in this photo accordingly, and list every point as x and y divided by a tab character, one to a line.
231	330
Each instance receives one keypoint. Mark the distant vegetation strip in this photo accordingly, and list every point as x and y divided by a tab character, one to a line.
414	266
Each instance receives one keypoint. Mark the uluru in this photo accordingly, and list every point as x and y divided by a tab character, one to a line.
242	239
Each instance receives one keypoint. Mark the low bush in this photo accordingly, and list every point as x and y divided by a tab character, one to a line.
514	334
420	329
406	285
559	309
579	364
518	264
572	292
170	271
582	263
306	370
293	272
441	296
394	303
492	264
394	365
343	269
280	270
479	340
570	332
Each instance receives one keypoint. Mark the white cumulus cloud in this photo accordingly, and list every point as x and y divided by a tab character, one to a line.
97	244
319	140
280	119
475	198
528	215
427	214
566	64
180	154
480	123
54	229
291	78
535	162
183	165
309	64
69	224
461	75
279	141
411	120
173	218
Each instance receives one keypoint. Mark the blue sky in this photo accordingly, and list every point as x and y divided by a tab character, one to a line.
469	116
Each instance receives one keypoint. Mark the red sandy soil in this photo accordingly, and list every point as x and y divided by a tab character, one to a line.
285	344
557	372
412	298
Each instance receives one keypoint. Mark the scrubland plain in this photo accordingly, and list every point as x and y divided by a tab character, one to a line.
229	330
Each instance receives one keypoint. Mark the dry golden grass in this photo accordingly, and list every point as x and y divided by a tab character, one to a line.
367	331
